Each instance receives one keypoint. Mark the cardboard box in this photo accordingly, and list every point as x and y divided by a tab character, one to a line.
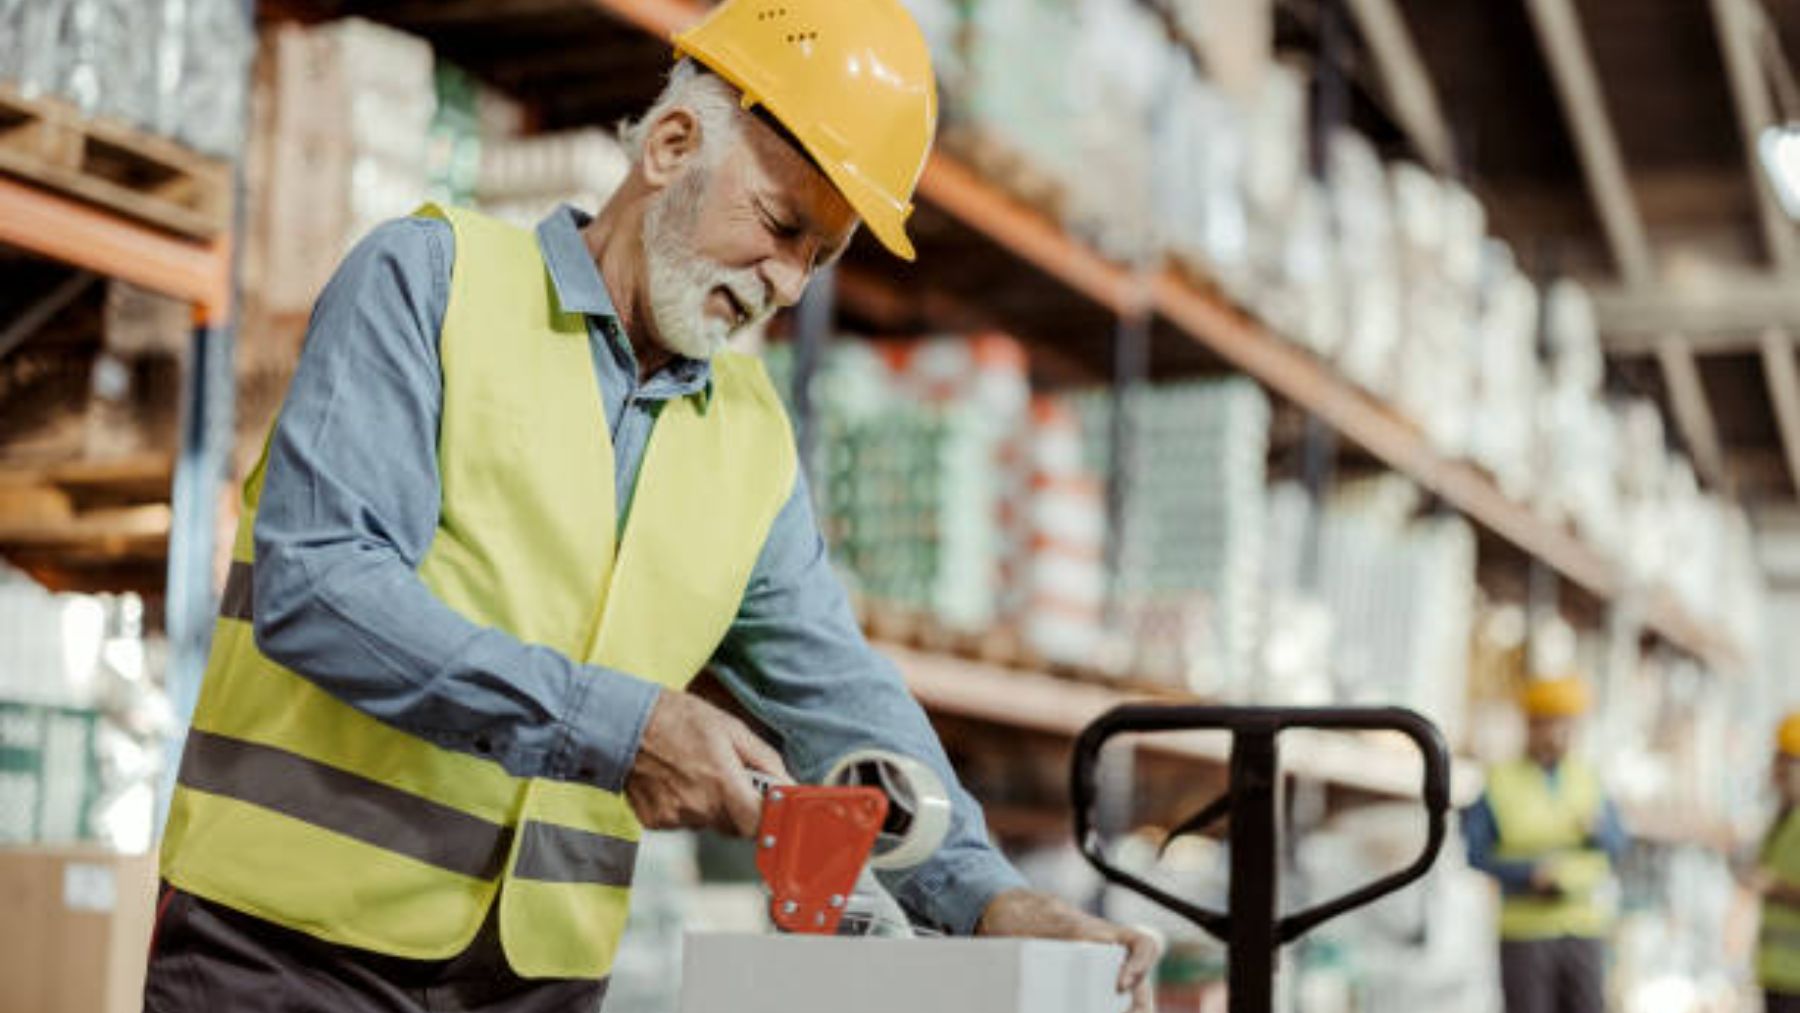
76	935
829	974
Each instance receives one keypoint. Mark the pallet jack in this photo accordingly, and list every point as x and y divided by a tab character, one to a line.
1253	929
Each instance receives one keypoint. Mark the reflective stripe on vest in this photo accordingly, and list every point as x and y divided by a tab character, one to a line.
1550	825
304	811
1778	945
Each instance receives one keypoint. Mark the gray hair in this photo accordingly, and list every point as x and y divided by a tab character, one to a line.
711	99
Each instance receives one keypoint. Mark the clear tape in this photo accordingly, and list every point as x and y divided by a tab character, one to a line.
919	806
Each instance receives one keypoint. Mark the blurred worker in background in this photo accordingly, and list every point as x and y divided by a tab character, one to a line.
1778	881
519	495
1546	832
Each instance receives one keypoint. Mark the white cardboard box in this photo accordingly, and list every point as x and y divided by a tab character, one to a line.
830	974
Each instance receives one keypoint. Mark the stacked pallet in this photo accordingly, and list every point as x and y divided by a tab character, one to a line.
1187	578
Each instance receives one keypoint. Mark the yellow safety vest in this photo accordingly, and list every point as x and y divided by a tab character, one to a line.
1778	949
304	811
1544	824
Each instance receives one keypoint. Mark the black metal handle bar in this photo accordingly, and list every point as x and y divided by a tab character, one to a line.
1251	927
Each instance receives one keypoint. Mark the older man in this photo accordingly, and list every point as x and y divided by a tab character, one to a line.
518	496
1778	880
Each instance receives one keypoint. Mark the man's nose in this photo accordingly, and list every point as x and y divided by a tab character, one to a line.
786	277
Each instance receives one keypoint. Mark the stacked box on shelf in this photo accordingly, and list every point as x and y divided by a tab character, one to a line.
1019	83
981	387
1366	256
1295	285
205	107
1062	616
522	179
1197	181
1575	436
1506	373
1125	61
1276	189
49	777
1440	228
920	453
351	114
1644	479
1399	592
453	160
174	67
1188	578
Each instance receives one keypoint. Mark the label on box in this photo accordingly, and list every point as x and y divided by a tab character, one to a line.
88	887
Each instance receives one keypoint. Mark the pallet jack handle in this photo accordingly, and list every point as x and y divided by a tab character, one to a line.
1252	929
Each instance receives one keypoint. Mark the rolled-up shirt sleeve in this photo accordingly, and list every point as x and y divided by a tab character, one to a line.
797	660
349	508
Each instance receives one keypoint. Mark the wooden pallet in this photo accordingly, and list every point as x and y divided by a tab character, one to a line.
141	176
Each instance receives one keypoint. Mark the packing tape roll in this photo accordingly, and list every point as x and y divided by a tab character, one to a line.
918	806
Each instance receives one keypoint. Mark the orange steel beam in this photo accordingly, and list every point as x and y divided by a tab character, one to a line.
956	189
53	226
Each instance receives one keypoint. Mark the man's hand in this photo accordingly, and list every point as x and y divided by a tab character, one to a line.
1543	881
1775	889
692	769
1039	915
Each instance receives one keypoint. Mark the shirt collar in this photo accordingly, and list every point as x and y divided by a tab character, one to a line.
580	288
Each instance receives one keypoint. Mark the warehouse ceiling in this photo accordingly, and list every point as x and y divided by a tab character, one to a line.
1687	323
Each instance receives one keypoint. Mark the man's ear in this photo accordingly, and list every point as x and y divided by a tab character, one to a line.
670	145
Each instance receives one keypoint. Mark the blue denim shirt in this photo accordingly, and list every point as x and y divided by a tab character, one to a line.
350	506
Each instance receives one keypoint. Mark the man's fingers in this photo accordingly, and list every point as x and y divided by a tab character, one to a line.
1143	998
756	754
742	803
1140	957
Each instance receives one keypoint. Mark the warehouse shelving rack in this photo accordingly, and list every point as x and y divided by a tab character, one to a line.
44	216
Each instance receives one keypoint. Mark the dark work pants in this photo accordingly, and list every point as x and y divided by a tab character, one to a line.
207	958
1781	1002
1566	975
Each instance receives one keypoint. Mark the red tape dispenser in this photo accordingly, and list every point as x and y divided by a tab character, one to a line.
813	845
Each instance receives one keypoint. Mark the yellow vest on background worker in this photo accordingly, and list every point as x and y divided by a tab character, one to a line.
1549	824
301	810
1778	946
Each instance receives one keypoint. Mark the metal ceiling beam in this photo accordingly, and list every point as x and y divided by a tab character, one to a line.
1739	28
1784	392
1404	78
1722	316
1688	398
1603	167
1578	88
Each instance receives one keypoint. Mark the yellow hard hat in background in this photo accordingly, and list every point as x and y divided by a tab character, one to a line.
1787	738
850	79
1564	697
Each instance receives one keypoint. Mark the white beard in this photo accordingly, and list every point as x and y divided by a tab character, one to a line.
680	279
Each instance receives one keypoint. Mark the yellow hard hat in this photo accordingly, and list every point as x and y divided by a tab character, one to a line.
1787	739
850	79
1564	697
